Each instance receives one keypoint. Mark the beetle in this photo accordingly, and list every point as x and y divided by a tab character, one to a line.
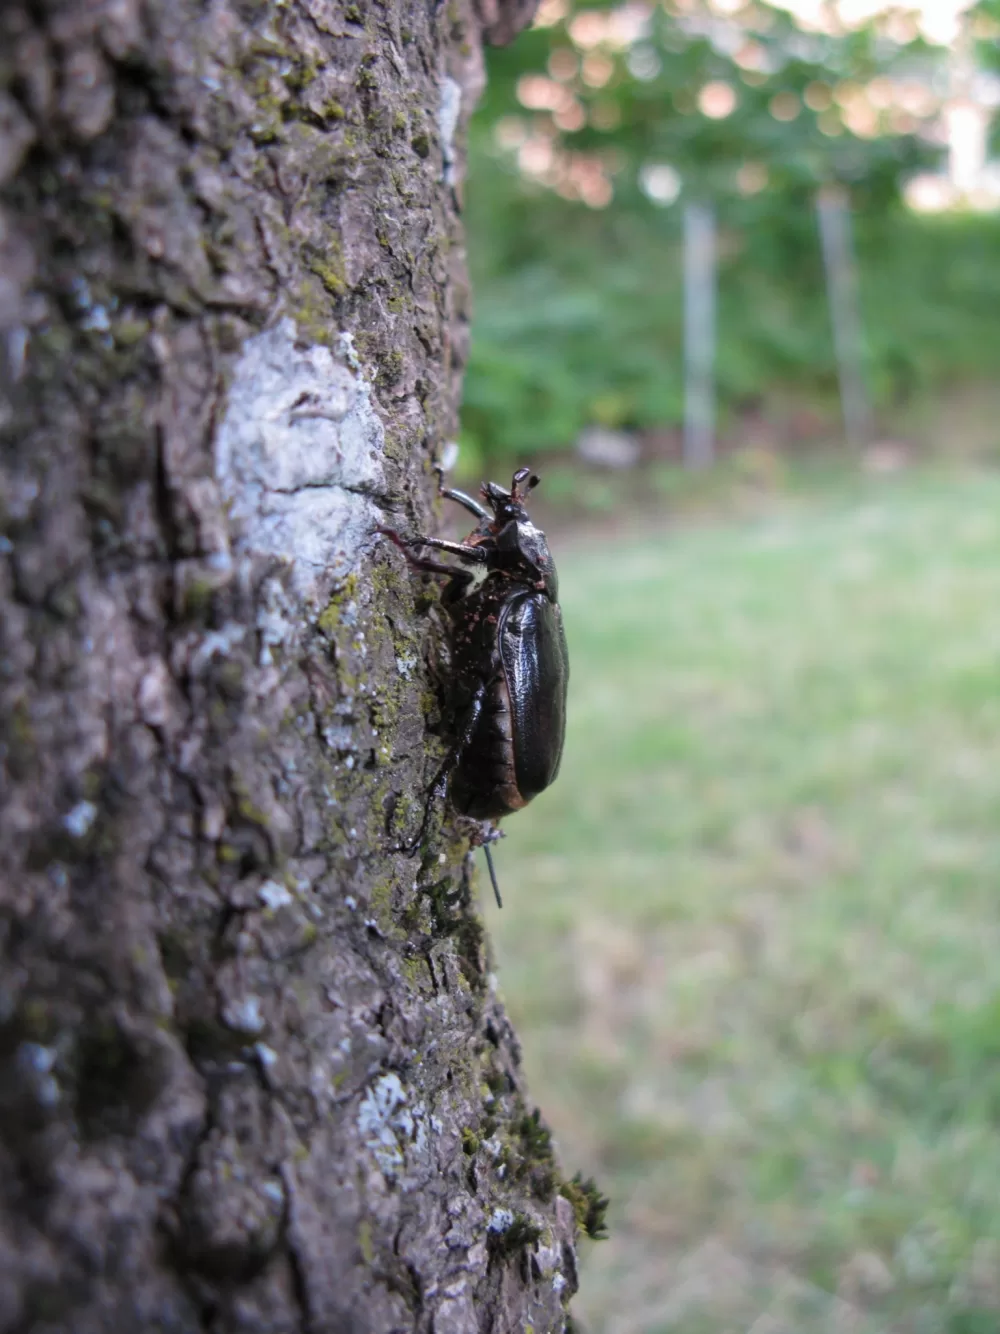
509	660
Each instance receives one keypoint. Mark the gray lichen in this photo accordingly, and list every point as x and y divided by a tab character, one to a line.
298	456
448	114
392	1124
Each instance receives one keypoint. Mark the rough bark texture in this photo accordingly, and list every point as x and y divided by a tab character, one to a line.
253	1072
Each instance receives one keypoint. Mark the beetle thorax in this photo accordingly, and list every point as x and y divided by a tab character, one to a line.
533	552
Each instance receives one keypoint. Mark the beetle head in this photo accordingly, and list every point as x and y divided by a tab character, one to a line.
507	505
522	544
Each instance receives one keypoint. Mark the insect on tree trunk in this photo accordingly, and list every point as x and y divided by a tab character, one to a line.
253	1072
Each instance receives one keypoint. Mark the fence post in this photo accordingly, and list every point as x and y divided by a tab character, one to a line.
842	293
699	335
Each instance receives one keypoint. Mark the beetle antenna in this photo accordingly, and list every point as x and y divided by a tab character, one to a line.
493	874
519	493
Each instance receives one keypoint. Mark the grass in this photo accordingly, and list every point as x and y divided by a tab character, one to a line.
752	934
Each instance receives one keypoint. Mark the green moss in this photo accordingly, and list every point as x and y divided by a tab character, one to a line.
421	144
380	901
218	713
535	1136
102	500
391	367
522	1233
196	600
329	269
22	749
383	579
405	814
267	130
384	709
445	903
470	948
231	679
328	621
332	110
250	812
176	954
416	973
130	332
589	1205
353	14
365	1244
36	1021
535	1160
300	76
470	1141
64	601
312	314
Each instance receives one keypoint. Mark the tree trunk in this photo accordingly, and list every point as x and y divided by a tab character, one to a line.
254	1075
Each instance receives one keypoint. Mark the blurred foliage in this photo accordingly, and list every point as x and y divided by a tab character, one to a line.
634	90
579	309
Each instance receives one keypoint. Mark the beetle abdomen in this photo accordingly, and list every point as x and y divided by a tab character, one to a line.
536	671
485	781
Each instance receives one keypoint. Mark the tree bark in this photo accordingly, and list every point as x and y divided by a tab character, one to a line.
254	1075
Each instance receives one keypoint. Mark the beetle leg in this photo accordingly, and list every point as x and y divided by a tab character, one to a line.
484	833
472	555
493	874
420	562
460	498
440	785
472	717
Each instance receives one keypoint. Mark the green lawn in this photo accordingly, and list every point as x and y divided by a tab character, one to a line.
752	935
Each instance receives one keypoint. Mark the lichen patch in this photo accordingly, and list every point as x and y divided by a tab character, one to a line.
297	456
390	1127
448	114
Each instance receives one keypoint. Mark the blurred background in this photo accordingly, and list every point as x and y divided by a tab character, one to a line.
737	280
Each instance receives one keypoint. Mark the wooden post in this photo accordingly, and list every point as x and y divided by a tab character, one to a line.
842	293
699	335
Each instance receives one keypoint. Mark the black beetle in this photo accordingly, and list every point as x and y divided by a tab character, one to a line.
509	662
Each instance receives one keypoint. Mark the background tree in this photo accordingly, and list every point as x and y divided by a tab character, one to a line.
597	127
255	1075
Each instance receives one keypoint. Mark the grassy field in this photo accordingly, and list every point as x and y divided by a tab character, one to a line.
752	935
